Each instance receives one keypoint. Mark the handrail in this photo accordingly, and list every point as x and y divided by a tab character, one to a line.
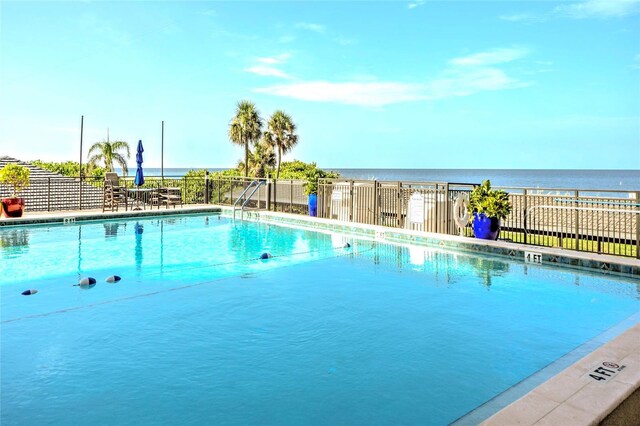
260	183
255	184
580	209
594	202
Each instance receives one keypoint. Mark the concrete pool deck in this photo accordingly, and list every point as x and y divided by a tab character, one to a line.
589	392
602	387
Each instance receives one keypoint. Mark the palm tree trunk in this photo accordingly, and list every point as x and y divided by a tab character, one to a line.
246	158
279	162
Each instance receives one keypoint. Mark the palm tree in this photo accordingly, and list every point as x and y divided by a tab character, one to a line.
281	135
245	127
262	160
107	152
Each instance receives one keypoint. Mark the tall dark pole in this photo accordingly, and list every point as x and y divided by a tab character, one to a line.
81	130
162	155
80	189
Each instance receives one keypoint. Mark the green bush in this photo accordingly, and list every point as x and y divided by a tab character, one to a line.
491	202
71	168
16	176
305	171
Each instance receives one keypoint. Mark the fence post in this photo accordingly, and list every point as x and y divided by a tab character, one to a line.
49	194
525	207
447	223
80	193
350	201
268	194
206	186
320	200
275	195
290	195
577	224
638	225
376	207
231	181
184	186
399	204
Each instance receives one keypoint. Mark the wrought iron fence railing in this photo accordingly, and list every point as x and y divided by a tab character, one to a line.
601	221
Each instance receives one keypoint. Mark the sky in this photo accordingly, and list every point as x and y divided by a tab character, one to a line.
384	84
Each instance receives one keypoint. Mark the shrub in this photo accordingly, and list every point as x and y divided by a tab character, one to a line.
491	202
16	176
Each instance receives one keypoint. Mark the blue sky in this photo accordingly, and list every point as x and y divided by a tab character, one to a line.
387	84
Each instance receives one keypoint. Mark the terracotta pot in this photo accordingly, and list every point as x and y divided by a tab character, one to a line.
12	207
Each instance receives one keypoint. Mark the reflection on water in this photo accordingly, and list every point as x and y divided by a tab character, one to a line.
111	229
138	229
441	264
16	242
487	268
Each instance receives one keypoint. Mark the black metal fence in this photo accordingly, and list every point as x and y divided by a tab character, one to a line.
600	221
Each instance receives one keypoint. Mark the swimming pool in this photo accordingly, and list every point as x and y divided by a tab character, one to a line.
200	330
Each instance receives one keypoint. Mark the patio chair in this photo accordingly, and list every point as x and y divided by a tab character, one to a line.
154	198
113	194
169	197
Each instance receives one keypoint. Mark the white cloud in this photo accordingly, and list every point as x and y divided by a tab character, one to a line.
266	66
209	12
495	56
267	71
599	8
311	27
467	83
460	79
376	94
275	59
351	93
581	10
415	4
518	17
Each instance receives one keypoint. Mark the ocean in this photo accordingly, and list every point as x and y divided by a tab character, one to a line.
624	180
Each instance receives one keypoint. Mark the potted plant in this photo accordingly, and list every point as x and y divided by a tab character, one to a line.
487	208
16	176
311	189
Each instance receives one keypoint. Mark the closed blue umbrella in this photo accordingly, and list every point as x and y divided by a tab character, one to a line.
139	174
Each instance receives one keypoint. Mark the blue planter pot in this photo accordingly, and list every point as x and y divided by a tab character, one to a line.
313	205
486	228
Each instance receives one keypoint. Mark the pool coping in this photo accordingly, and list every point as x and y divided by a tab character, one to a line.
574	397
93	214
569	398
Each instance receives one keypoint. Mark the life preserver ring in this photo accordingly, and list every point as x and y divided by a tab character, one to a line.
461	203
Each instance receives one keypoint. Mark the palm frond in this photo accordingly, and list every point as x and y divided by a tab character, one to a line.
120	160
120	145
95	147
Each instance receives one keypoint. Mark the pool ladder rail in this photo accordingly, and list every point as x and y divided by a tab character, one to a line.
254	185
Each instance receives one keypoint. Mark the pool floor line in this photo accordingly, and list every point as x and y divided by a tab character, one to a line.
529	383
122	299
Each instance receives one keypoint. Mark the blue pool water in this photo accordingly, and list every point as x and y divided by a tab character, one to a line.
200	331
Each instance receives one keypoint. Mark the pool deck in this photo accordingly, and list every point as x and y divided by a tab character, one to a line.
576	397
605	382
